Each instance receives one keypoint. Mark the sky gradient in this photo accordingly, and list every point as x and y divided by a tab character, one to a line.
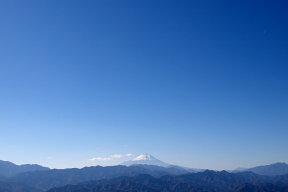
201	84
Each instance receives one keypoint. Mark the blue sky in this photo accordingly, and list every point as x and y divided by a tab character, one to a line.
196	83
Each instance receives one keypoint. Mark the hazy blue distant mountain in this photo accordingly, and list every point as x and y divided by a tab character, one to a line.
8	169
270	170
207	181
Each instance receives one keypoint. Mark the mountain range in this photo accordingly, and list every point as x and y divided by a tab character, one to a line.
207	181
8	169
144	171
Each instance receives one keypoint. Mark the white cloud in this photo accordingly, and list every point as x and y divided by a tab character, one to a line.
116	156
111	157
100	159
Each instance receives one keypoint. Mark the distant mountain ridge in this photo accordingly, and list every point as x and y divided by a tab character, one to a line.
8	169
269	170
35	178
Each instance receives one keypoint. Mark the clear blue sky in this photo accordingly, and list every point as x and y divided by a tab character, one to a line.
202	84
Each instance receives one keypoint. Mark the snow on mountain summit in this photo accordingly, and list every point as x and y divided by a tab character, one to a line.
145	159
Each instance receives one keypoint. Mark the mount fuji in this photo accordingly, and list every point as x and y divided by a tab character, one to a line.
149	160
146	159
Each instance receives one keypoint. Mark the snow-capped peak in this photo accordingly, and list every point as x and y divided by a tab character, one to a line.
145	159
